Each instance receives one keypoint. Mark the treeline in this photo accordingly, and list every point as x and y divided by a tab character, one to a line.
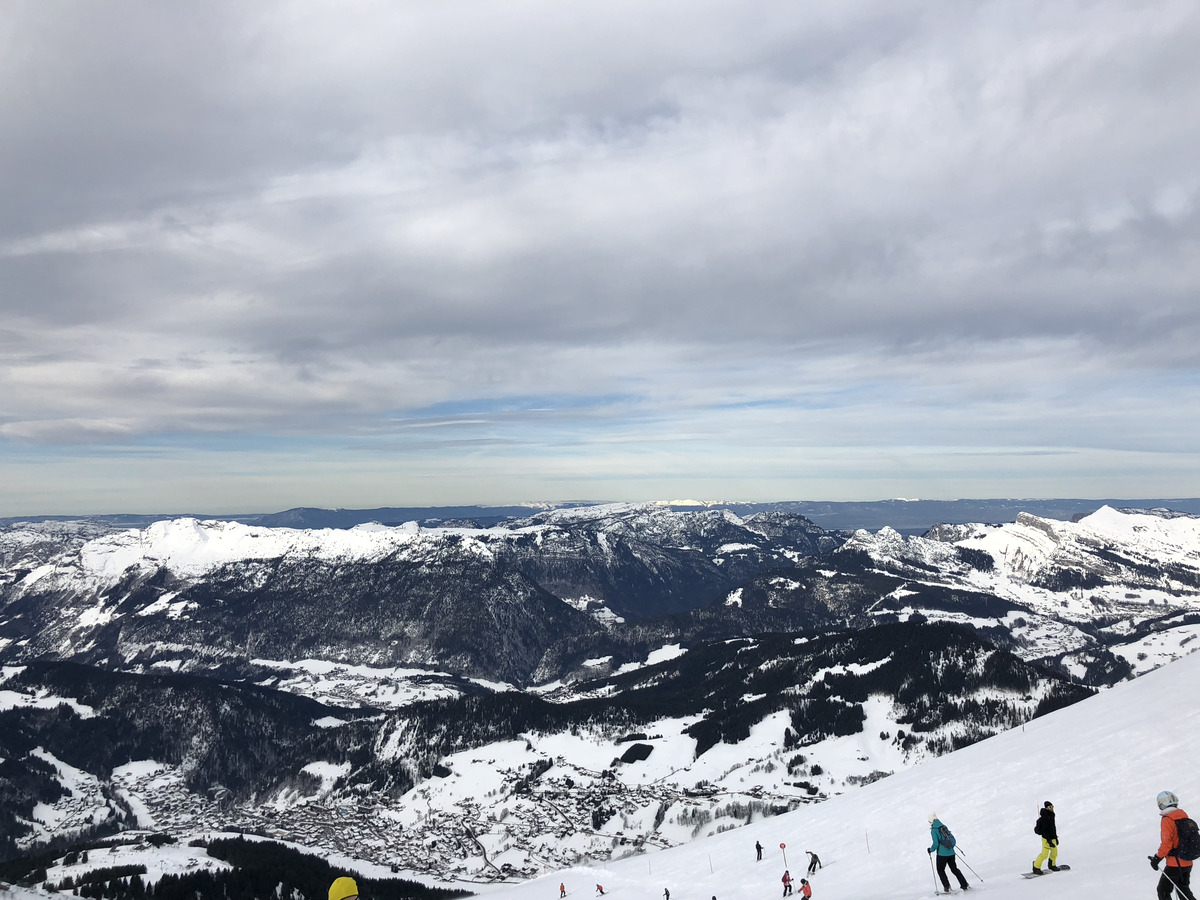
261	870
915	662
218	734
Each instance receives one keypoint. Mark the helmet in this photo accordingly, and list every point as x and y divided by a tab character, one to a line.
1048	805
1166	798
932	818
343	888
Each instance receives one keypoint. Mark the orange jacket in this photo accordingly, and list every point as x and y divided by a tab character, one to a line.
806	891
1170	838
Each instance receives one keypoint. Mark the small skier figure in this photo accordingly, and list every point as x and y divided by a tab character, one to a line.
787	882
814	861
666	894
562	890
758	849
806	889
600	890
945	855
1177	875
1049	833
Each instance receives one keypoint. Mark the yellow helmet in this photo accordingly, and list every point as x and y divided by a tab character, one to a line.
342	888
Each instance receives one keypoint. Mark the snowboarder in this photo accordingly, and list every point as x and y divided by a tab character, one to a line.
814	862
806	889
1049	833
945	854
787	882
758	849
1177	875
562	889
344	888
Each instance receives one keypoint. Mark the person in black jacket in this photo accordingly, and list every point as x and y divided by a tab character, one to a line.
1046	828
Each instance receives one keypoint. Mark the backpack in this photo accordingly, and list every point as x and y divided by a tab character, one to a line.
1189	840
946	839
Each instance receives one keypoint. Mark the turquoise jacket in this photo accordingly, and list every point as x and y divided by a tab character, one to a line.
942	849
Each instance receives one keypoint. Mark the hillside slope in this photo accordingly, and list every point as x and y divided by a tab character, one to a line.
1101	762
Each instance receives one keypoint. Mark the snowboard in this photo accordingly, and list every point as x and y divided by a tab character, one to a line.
1046	872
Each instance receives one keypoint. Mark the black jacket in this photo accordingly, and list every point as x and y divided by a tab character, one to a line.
1045	825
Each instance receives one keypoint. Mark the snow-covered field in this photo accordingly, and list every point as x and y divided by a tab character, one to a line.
1101	762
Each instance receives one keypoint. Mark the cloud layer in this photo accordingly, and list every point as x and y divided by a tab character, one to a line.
254	256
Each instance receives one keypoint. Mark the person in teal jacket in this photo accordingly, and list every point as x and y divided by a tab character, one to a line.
945	855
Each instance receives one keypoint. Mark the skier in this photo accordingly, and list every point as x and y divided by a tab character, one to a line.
787	882
758	848
600	890
562	889
814	862
1046	828
1178	873
344	888
806	889
666	894
945	856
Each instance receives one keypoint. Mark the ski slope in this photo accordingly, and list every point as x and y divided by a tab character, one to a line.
1101	762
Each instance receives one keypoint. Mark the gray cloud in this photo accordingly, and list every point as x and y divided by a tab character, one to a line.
880	224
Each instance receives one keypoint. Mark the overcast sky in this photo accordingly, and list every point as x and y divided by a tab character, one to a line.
257	255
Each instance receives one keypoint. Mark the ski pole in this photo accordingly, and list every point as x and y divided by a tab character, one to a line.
1173	884
933	872
968	865
972	870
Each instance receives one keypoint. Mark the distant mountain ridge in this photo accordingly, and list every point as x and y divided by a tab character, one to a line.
530	601
488	603
906	516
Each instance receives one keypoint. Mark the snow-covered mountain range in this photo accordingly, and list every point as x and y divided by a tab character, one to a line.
619	676
535	600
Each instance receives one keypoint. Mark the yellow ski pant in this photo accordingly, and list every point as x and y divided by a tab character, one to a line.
1047	850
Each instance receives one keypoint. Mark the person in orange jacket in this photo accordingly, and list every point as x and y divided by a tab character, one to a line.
806	889
1177	875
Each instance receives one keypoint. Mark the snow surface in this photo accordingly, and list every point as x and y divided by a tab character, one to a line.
191	547
1165	548
349	685
1101	762
42	699
82	808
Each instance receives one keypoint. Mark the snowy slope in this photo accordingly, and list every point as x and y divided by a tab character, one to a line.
1137	559
1102	581
1101	762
